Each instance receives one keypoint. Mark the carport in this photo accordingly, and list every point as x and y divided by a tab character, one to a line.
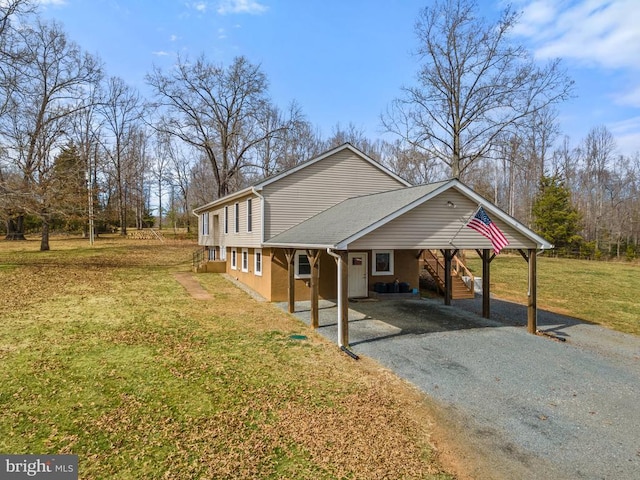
425	217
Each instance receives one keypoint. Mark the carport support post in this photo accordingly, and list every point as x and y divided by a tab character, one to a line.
314	262
343	299
289	254
532	309
447	276
486	282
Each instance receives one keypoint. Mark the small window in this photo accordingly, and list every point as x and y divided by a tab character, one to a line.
382	262
249	215
226	220
302	265
205	223
237	218
245	260
223	253
234	259
212	254
257	262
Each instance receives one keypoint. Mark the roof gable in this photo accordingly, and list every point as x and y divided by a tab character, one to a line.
329	153
352	219
279	176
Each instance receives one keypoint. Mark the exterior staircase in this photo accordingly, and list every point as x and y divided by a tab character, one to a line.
434	264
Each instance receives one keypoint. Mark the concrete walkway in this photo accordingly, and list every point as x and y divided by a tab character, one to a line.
532	407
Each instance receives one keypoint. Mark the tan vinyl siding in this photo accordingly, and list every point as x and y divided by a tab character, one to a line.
435	224
243	238
315	188
216	218
205	239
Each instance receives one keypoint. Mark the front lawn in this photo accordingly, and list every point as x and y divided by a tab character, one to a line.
104	355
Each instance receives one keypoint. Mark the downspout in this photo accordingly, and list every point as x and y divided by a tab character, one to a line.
337	257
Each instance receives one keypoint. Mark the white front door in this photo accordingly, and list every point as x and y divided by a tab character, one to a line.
358	281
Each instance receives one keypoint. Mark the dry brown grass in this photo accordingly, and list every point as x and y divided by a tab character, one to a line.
103	354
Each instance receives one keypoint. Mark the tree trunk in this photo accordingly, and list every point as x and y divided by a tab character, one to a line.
15	228
44	243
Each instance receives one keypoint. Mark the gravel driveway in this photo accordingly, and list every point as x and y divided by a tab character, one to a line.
529	406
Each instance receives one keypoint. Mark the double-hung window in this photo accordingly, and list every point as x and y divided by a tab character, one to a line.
245	260
257	261
382	262
205	223
234	259
236	218
302	265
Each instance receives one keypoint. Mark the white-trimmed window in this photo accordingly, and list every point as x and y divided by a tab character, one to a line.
257	261
382	262
245	260
249	215
234	259
212	254
236	223
223	252
205	223
302	265
226	220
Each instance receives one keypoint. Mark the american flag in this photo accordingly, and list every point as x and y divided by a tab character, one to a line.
481	223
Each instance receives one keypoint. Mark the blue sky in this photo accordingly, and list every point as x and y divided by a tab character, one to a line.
344	61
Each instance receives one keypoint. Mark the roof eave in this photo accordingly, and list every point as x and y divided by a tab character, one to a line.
297	245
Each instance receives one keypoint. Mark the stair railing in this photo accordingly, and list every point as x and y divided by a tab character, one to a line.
199	257
461	270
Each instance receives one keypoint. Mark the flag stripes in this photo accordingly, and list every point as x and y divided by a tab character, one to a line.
482	224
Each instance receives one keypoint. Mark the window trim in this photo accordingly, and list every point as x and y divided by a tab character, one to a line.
234	259
374	263
249	215
257	266
205	223
297	273
236	223
244	260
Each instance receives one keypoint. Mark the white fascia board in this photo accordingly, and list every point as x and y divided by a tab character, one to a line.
379	165
509	220
324	155
344	244
298	246
223	200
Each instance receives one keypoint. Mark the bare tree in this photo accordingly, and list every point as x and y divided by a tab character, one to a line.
52	76
218	110
598	149
123	110
474	84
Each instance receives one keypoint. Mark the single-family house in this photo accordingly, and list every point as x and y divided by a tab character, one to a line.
336	225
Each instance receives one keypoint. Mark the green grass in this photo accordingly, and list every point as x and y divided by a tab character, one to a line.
104	355
600	292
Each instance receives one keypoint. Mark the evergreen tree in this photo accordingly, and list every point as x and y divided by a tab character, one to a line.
555	217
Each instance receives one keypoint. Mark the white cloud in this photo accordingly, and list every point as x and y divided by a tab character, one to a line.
252	7
627	134
173	38
200	6
222	34
629	98
600	33
161	53
52	2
